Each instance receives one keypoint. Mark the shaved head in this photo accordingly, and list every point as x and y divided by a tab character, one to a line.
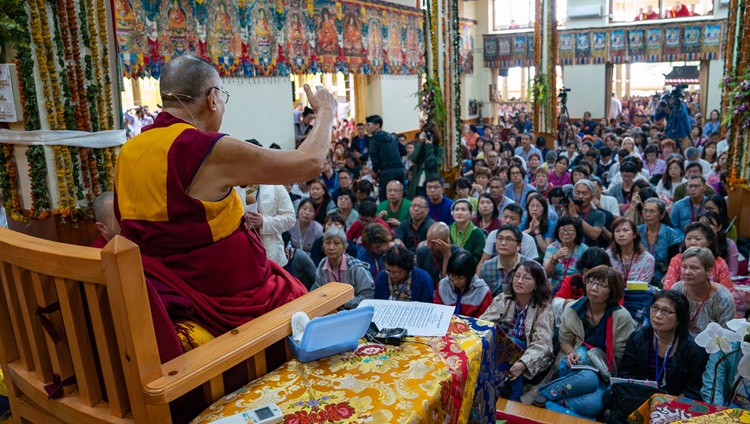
186	79
439	231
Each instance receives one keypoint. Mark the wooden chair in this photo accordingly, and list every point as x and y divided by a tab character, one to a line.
100	344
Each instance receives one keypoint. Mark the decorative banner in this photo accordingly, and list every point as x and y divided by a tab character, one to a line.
467	45
662	42
273	37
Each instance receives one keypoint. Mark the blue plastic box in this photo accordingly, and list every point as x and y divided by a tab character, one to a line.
332	334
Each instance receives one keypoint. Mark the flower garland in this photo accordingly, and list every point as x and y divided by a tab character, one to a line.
9	183
77	173
40	202
96	188
57	120
93	90
64	209
25	72
38	38
86	174
455	62
106	117
70	190
82	119
62	44
109	165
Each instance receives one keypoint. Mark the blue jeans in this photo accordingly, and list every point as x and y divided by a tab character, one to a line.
578	390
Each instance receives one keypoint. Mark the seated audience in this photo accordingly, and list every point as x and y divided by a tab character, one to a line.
440	205
726	246
401	279
316	252
487	214
699	234
709	301
274	215
434	256
518	188
462	288
367	215
413	231
687	210
463	232
395	208
627	255
321	200
658	237
562	254
664	351
512	215
339	267
376	239
541	181
345	208
593	326
718	205
306	230
573	288
538	224
496	272
524	313
691	169
673	177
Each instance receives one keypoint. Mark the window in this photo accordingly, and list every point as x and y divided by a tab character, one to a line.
636	10
515	14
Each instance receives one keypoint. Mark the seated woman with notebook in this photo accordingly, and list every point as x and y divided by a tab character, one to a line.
593	331
524	313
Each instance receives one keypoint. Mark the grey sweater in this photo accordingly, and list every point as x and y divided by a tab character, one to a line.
356	274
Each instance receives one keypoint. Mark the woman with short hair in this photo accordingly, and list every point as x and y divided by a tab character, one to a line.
658	237
562	254
664	351
709	301
402	280
339	267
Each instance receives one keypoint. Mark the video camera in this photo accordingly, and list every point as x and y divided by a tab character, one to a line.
563	94
568	198
674	97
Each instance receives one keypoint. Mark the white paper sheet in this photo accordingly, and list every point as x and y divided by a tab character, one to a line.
419	319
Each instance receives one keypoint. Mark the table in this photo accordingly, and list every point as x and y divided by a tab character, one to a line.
449	379
518	412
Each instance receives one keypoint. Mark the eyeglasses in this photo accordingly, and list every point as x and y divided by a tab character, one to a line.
418	206
433	187
664	312
567	231
224	93
600	284
508	240
694	187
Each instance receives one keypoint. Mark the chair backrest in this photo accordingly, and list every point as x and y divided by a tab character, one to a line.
75	324
74	328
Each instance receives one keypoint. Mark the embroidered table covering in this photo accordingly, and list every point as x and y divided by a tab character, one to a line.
449	379
663	409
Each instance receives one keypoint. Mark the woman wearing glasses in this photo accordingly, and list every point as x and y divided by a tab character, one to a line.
658	237
698	234
562	254
462	288
524	313
663	351
595	326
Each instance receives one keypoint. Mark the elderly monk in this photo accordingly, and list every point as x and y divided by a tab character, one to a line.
174	198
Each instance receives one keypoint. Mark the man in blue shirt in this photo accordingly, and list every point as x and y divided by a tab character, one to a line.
526	149
523	125
440	206
691	207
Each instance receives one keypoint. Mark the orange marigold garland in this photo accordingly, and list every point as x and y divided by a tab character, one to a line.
12	200
96	188
64	209
82	118
57	120
44	71
69	184
40	202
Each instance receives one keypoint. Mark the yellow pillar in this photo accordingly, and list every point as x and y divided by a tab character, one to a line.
618	81
523	83
627	80
136	84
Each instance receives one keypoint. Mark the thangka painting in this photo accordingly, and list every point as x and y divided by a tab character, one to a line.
467	46
270	37
660	42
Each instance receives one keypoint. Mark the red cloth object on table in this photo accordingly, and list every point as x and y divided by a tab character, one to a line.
663	409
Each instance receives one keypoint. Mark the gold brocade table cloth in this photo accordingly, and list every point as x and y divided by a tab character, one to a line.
449	379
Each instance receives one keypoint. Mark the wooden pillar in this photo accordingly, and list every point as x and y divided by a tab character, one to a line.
627	79
136	84
618	81
505	88
524	77
360	98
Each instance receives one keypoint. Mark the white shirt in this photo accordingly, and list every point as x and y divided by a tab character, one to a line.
275	205
609	203
528	245
615	108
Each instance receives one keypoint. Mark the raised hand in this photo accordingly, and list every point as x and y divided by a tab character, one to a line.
321	99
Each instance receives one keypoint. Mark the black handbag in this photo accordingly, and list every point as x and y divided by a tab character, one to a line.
626	398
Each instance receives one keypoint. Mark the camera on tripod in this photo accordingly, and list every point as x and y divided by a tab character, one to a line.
563	95
674	97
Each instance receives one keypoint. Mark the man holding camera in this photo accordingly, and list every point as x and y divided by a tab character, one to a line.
592	219
674	110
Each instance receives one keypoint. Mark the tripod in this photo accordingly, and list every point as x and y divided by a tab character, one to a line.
562	119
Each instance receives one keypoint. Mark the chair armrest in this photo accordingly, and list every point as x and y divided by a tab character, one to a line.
193	368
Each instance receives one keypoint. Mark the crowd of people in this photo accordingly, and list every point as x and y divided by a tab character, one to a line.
541	241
